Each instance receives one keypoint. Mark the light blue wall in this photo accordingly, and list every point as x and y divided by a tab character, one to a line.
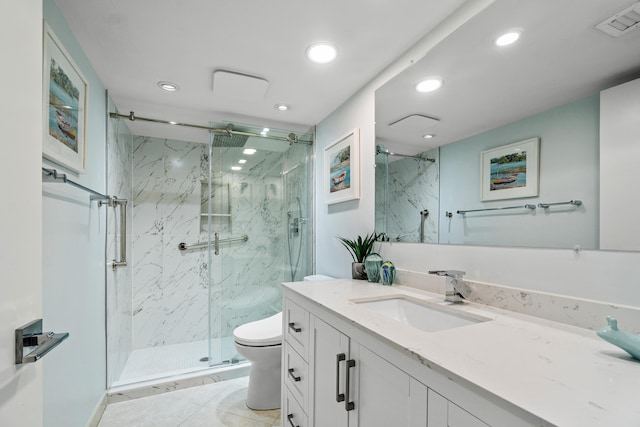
569	153
74	264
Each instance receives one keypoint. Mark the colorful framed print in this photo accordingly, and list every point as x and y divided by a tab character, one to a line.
510	171
65	91
342	169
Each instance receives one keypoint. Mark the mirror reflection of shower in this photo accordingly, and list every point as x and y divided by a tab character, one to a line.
295	228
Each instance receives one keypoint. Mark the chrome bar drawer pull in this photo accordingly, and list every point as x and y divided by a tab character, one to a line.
339	358
290	418
349	406
292	375
292	326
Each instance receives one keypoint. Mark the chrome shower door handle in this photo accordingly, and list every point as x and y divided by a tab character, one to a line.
216	243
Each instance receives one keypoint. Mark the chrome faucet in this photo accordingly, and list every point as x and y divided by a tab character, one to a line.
456	290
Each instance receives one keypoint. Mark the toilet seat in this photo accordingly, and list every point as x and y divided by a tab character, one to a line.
261	333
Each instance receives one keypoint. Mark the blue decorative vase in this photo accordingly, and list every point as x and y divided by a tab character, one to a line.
388	273
372	264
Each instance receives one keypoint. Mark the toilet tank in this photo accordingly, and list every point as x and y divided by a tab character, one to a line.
316	277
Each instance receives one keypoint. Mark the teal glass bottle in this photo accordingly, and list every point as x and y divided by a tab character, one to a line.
372	264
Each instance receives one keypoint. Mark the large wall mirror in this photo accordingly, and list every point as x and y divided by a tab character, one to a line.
507	151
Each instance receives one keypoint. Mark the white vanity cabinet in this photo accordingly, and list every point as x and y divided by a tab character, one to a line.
352	386
343	376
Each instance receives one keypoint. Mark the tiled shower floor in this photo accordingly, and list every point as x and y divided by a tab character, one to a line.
212	405
151	363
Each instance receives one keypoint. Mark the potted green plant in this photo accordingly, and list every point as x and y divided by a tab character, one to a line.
359	248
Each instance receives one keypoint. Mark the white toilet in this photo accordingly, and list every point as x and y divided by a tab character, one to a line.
260	342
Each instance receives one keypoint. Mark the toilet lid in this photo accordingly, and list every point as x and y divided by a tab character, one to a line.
261	332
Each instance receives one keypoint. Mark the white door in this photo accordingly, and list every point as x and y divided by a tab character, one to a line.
21	213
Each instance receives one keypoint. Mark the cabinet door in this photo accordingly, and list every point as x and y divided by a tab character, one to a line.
383	392
443	413
327	374
458	417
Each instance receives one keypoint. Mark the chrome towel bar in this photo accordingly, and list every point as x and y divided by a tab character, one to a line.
52	175
200	245
570	202
498	209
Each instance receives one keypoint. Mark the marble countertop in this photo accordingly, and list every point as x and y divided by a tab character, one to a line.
562	374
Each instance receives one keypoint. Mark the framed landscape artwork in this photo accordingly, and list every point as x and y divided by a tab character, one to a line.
65	106
510	171
342	169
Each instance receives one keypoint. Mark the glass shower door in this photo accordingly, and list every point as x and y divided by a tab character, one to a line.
253	207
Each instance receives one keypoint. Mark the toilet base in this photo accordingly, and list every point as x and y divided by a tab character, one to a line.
265	376
264	388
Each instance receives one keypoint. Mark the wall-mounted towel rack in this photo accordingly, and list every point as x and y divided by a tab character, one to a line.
52	175
570	202
216	243
497	209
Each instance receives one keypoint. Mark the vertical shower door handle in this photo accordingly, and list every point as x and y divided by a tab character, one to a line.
216	243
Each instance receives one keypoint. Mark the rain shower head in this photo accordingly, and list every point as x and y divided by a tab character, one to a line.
230	139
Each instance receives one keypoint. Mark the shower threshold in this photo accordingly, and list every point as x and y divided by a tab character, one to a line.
166	368
177	381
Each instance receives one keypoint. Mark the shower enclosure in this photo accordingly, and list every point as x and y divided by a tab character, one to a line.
214	230
402	178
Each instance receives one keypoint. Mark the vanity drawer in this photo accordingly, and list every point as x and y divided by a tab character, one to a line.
292	413
296	375
296	327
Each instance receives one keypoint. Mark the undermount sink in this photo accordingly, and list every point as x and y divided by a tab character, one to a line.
423	315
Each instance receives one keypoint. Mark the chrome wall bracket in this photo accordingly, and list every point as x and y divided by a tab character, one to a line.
31	340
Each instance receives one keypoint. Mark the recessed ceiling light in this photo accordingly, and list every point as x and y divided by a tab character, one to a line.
249	151
281	107
236	168
322	52
168	86
508	38
429	85
428	136
241	161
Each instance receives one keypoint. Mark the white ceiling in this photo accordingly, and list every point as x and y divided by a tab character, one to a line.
134	44
559	58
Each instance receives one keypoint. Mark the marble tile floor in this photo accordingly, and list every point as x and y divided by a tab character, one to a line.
211	405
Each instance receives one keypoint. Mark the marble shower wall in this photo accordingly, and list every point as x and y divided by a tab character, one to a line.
119	281
170	287
414	185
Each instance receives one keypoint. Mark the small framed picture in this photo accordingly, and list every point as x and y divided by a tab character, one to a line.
510	171
342	169
65	92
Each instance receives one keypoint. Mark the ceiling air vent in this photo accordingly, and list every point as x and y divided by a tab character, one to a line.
623	22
